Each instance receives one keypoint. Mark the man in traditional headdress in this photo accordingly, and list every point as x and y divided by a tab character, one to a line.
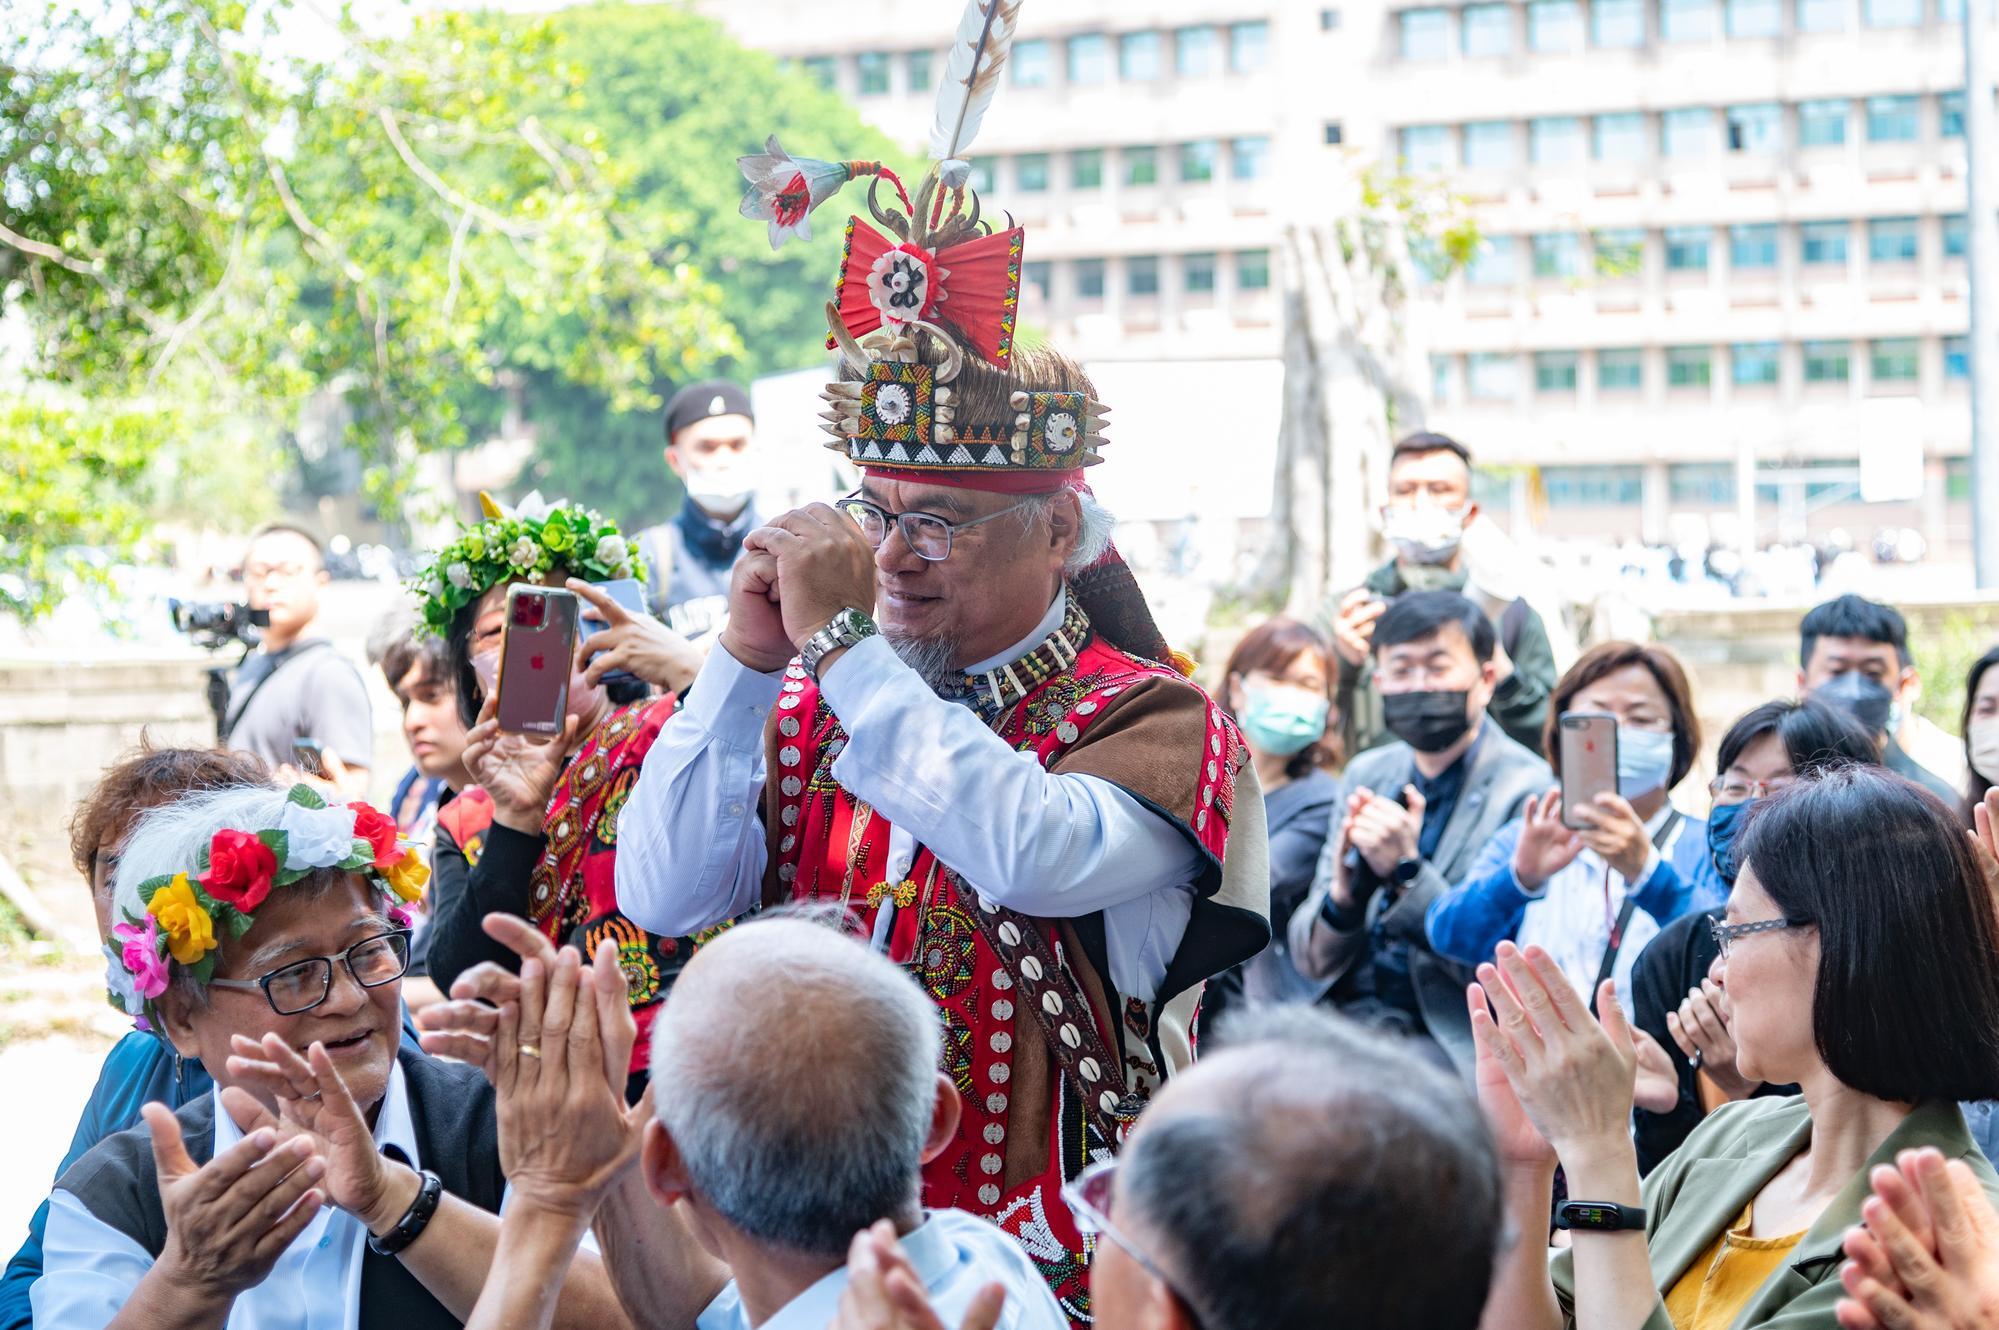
946	697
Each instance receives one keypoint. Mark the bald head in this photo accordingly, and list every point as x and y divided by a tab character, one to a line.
796	1071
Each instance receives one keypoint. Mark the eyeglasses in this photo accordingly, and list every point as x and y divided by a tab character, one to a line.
1731	791
1089	1198
303	985
927	534
257	572
1724	934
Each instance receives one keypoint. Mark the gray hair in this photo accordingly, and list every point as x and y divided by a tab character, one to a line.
1093	535
796	1071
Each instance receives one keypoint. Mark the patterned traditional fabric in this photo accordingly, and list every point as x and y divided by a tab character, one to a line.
468	818
1078	705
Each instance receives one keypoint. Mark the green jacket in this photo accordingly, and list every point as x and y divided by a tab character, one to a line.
1703	1186
1520	705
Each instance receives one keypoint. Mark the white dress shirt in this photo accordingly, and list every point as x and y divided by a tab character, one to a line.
954	1255
691	848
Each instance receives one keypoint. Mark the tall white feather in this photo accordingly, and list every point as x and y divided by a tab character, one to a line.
971	74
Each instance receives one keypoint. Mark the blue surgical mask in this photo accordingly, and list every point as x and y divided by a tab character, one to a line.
1723	821
1282	720
1644	760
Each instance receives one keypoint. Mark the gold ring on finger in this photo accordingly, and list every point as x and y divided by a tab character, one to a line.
530	1050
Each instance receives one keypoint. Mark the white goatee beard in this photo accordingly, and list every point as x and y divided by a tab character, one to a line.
935	660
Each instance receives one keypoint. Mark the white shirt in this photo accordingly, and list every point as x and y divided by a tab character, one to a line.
691	849
1571	921
954	1255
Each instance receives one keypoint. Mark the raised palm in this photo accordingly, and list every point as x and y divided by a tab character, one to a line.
1545	846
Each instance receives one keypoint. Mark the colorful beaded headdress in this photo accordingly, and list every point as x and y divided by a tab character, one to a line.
529	540
929	297
179	918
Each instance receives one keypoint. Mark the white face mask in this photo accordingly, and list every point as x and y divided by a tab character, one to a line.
487	666
1982	739
1426	533
721	487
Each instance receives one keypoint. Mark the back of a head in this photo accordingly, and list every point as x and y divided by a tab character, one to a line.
1853	617
1906	1003
1326	1177
813	1128
1416	615
146	779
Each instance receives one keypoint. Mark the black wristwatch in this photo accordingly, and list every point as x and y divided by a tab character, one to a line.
1406	869
1599	1216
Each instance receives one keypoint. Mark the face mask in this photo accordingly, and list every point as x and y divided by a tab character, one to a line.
1860	697
1722	824
1424	534
1428	722
721	489
1282	720
1982	741
487	667
1644	761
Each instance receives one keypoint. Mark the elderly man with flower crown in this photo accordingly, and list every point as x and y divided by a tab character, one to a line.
940	704
333	1176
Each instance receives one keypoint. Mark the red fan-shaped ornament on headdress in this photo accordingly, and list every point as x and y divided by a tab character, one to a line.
972	288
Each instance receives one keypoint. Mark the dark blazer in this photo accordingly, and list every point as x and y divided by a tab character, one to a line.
1502	778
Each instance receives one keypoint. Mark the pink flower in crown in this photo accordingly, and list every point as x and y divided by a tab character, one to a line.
140	951
400	917
783	190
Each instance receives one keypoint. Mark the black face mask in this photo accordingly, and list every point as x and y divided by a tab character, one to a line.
1428	722
1858	696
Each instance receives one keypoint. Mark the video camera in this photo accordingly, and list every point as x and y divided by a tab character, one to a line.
214	624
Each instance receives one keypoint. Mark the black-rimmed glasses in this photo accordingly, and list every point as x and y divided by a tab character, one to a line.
1089	1198
299	987
926	534
1725	934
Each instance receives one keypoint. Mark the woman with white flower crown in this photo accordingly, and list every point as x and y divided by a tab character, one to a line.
538	836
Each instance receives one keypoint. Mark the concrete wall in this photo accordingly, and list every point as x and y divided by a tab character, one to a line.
62	721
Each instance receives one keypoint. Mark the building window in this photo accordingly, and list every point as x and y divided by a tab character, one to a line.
1249	46
1488	30
1822	242
1252	270
822	68
1197	161
1752	246
1617	23
1558	254
1035	277
1426	34
1689	366
1489	145
1700	484
1892	119
1956	234
1957	357
1892	240
1828	362
1197	52
1892	13
1089	279
1686	248
1753	364
1823	15
1822	124
1555	140
1138	57
1757	129
1755	18
1425	147
1687	21
1554	26
1493	264
1329	20
1893	360
1249	158
1554	371
1141	275
1090	58
1593	486
1033	64
1141	165
1492	376
1334	134
920	67
1197	274
1950	11
1620	137
1440	378
1687	132
1950	115
1030	172
1619	252
985	172
1620	370
873	69
1086	168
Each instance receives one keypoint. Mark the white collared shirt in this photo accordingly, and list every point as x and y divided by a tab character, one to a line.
1570	916
954	1255
90	1269
691	849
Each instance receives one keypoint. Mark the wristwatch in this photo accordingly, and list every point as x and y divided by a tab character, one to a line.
1599	1216
1407	869
847	628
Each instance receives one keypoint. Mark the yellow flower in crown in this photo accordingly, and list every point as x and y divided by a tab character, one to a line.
407	876
190	932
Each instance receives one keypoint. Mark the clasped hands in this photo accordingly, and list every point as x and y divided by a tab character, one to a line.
797	571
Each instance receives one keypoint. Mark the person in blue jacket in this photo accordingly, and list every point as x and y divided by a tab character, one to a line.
1594	897
141	1067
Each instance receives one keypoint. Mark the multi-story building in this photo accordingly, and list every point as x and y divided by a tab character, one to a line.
1725	238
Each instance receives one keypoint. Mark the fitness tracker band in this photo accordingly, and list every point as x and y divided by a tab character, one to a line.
1599	1216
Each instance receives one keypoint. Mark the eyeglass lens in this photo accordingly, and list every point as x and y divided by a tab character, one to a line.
928	536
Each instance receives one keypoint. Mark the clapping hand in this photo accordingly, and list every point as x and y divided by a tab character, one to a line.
1701	1028
638	644
884	1291
1658	1087
1545	846
229	1220
1385	832
519	771
1927	1255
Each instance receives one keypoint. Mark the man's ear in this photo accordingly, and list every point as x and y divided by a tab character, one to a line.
1065	523
1165	1311
175	1022
659	1159
1909	686
673	462
943	1118
1471	511
1801	682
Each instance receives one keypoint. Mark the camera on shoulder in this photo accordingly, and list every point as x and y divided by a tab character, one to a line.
213	624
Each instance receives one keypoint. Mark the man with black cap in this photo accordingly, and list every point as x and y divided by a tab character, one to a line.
708	434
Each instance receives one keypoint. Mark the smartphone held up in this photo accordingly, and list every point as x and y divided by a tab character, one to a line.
1589	761
537	654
